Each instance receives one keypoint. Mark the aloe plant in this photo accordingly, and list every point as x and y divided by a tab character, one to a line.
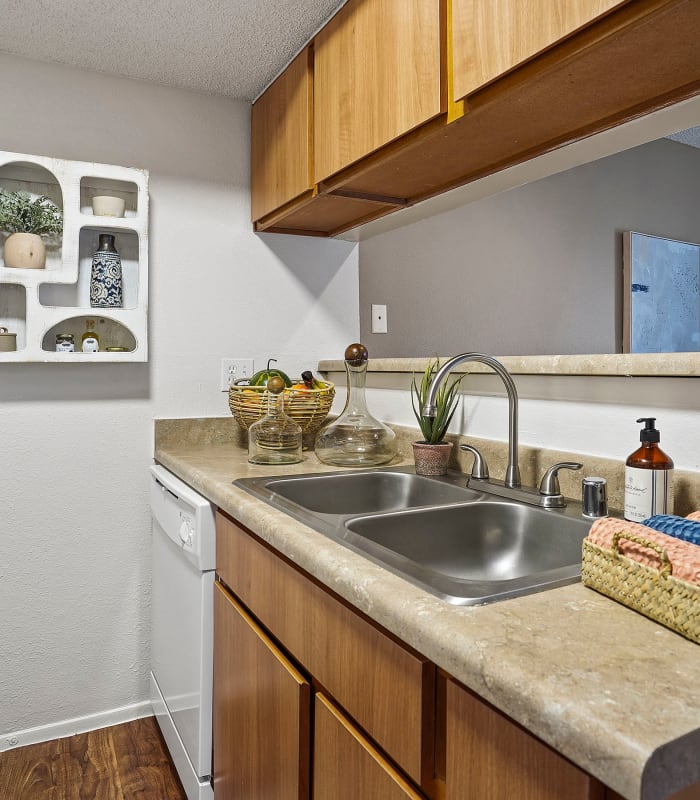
20	214
435	428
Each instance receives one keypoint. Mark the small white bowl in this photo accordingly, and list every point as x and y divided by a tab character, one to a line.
105	205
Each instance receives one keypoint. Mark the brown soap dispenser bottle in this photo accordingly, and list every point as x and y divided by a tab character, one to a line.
648	477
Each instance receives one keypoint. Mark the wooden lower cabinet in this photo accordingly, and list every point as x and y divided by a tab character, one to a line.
489	756
388	689
261	712
320	703
346	764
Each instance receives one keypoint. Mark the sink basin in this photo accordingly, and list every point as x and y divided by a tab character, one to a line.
367	492
464	546
472	553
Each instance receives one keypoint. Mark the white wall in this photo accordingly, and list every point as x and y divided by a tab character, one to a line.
76	440
593	416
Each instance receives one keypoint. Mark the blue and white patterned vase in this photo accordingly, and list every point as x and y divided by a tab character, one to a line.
106	289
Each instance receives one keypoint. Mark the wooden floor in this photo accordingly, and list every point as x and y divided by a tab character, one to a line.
124	762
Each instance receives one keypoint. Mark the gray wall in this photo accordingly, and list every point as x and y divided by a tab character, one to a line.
536	270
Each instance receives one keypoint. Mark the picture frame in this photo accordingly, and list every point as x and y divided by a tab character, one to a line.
661	309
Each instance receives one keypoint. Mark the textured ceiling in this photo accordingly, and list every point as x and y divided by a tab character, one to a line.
229	48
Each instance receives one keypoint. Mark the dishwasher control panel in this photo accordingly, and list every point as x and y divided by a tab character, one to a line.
185	516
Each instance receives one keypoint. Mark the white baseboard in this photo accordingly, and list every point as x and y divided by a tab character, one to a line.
69	727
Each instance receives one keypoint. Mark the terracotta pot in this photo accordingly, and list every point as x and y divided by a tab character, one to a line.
431	459
24	251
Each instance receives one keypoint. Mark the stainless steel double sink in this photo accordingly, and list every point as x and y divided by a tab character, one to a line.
464	546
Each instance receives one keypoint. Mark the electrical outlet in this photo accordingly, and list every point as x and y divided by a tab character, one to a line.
233	369
379	324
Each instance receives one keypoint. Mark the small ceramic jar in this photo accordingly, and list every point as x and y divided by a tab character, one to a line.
105	205
65	343
8	341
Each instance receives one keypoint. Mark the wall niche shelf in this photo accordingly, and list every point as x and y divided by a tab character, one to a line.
37	304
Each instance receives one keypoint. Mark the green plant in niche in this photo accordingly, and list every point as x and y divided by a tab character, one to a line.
435	428
20	214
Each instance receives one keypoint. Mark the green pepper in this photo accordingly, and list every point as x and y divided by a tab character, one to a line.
262	376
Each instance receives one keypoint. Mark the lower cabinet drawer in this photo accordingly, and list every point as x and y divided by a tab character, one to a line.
347	766
386	688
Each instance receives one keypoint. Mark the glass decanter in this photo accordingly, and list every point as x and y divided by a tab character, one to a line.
276	438
356	438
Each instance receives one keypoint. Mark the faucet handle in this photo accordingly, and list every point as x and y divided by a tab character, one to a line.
549	485
480	471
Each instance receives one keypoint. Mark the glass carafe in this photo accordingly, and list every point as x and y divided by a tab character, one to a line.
356	438
276	438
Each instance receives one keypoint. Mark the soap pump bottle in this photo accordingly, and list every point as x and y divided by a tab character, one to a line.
648	477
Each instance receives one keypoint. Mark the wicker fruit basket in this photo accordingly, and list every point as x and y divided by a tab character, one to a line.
307	407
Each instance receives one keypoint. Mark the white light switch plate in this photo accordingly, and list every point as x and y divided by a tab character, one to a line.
379	324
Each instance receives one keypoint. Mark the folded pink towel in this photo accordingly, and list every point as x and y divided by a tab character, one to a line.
684	557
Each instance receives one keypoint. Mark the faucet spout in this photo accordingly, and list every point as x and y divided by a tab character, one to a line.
512	477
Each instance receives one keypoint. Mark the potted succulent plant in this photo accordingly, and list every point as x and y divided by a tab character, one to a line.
432	454
26	221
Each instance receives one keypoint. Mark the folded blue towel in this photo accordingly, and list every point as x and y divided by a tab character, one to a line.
686	529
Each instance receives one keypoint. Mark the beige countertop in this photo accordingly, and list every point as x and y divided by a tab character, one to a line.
616	693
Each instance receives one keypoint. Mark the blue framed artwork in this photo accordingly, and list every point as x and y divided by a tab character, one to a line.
661	312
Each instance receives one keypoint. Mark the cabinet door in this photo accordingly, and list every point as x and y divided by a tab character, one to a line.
280	129
261	712
347	766
376	77
388	689
488	755
490	37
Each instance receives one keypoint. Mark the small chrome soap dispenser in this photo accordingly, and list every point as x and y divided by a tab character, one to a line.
594	497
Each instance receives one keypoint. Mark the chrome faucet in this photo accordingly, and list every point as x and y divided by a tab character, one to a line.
512	477
548	495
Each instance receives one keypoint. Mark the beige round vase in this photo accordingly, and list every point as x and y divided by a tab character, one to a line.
24	251
431	459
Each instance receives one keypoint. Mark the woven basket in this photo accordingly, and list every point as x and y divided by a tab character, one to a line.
655	593
307	407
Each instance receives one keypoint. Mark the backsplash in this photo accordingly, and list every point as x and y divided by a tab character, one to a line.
534	461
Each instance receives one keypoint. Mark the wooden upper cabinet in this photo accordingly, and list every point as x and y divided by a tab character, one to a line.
490	37
376	77
281	139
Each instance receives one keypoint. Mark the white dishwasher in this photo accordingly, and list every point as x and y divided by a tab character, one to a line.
184	549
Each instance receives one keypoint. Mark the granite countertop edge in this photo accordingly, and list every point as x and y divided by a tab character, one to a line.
612	691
